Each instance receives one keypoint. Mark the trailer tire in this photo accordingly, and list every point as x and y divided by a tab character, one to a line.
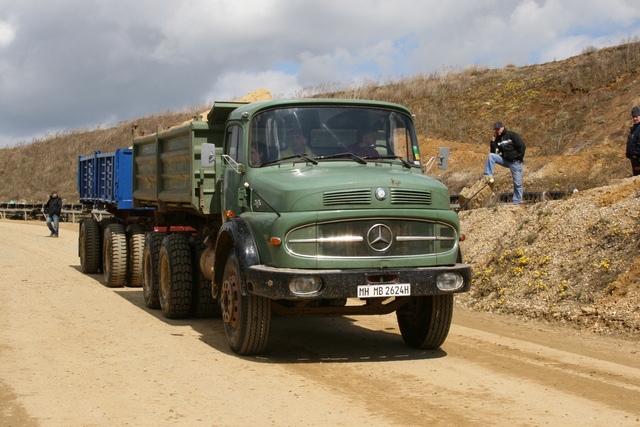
150	282
135	249
103	224
246	318
89	246
114	260
175	276
425	320
204	304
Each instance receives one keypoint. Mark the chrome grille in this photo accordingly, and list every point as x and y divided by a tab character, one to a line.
372	238
347	197
416	197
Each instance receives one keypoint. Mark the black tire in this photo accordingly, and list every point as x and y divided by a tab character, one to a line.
150	280
204	305
89	246
247	319
425	320
103	224
175	276
114	259
135	250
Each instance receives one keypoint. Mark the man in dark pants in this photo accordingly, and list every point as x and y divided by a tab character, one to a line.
507	149
53	208
633	142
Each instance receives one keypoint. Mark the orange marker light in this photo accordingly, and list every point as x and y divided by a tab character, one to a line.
275	241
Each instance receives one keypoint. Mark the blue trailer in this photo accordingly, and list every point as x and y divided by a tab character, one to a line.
104	180
113	245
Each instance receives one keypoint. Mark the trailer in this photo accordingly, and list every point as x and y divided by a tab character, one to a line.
114	244
310	207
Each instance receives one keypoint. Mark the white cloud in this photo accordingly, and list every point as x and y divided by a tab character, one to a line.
72	62
7	33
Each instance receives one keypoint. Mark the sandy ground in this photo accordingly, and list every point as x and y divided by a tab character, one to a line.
76	353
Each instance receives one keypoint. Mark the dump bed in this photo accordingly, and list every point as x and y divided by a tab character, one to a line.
105	178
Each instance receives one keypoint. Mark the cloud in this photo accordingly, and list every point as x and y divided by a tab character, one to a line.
76	63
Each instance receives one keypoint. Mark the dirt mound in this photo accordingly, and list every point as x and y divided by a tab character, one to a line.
256	95
572	260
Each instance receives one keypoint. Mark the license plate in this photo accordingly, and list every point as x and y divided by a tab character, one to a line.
384	291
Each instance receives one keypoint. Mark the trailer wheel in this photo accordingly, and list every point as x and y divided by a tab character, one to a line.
150	282
425	320
89	246
176	283
204	305
114	249
135	249
103	224
247	319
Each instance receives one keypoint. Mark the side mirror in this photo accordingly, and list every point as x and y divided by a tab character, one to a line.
208	155
443	158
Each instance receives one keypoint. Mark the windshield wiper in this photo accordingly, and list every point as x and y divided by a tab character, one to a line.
355	157
295	156
404	162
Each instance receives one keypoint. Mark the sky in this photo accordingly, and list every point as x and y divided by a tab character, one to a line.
70	65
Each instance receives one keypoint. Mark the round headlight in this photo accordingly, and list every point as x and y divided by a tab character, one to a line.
305	285
449	281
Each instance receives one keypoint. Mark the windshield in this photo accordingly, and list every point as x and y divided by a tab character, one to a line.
323	132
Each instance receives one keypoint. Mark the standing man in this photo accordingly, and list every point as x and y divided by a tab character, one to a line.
53	208
507	149
633	142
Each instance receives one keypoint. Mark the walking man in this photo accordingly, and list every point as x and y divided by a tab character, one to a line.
507	149
53	208
633	142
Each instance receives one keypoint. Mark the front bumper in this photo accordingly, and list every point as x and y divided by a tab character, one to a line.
273	283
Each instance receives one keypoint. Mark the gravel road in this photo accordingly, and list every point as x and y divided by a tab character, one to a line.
76	353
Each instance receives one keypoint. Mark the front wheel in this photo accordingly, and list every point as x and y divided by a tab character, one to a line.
424	321
247	319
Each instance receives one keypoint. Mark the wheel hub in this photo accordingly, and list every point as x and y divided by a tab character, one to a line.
230	301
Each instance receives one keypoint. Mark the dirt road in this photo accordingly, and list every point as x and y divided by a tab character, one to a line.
76	353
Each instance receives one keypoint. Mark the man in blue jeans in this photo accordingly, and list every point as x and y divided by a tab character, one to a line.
53	208
507	149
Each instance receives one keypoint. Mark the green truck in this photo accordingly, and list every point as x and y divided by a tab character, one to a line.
308	207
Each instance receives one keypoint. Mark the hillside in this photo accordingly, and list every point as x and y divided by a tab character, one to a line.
570	260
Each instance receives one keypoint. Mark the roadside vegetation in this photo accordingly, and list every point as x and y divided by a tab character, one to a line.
576	109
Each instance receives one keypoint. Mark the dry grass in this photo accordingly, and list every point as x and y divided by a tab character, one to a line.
572	114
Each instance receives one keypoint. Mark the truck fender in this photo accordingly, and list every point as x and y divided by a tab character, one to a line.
234	235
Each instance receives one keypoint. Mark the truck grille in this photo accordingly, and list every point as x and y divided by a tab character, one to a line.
347	197
372	238
418	197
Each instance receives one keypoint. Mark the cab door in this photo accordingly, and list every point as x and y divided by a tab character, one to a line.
234	194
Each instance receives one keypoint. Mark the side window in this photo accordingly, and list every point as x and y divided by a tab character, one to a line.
234	143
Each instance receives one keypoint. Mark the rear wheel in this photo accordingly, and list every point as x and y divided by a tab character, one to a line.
425	320
204	305
150	282
135	248
89	246
176	283
247	319
114	251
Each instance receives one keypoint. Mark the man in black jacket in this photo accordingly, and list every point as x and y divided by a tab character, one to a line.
633	142
507	149
53	208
